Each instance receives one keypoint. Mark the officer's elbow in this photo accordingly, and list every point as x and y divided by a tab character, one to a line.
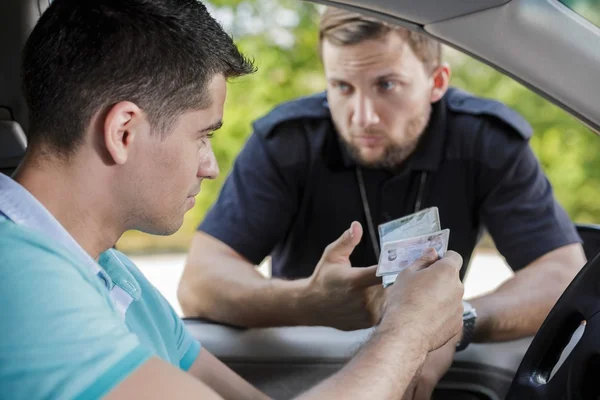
198	297
186	298
187	295
195	289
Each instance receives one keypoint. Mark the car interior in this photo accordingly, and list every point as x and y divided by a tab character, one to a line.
517	37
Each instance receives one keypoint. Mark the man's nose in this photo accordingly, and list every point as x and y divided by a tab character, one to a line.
208	167
364	113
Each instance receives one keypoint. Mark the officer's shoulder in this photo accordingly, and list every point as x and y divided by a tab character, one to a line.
483	130
467	108
312	107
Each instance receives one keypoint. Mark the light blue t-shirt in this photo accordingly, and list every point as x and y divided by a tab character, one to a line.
62	335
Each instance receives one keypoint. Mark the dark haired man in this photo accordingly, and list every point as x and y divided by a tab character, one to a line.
388	138
124	96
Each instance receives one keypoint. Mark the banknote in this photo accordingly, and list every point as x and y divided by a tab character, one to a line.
400	254
417	224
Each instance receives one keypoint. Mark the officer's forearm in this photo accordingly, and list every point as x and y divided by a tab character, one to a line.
518	308
242	298
221	286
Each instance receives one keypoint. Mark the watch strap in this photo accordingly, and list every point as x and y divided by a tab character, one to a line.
467	336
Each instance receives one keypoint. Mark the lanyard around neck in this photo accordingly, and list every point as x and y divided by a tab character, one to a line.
367	208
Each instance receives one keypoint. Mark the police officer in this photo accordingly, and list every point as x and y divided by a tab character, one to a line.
388	138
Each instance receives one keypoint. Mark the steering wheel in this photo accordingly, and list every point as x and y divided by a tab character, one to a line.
579	376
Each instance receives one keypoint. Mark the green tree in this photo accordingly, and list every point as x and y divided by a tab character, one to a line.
589	9
567	150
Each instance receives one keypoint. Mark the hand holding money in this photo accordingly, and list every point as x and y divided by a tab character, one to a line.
429	295
404	240
399	255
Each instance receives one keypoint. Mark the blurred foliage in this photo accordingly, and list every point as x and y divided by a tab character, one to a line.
589	9
281	36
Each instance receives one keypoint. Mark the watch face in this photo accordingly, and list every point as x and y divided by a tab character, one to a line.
468	310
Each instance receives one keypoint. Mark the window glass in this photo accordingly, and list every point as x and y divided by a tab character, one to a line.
588	9
281	35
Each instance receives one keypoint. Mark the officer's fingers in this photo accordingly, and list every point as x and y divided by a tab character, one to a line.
428	257
340	250
364	277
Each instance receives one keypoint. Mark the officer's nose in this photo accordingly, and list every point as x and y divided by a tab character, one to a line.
208	167
363	113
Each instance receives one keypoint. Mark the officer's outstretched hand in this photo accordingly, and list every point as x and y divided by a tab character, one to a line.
341	296
426	300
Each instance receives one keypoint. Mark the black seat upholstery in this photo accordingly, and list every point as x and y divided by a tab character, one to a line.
12	145
17	18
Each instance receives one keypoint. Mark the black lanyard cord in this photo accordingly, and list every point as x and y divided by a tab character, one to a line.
421	192
367	208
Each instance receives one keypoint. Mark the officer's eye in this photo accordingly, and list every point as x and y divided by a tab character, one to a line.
386	86
342	87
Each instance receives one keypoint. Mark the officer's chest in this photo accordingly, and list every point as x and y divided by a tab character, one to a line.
336	201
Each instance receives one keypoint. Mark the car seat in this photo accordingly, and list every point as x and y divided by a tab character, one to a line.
17	19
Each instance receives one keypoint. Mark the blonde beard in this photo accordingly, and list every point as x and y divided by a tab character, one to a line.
394	155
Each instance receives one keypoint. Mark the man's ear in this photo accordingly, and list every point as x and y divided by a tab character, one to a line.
121	126
441	80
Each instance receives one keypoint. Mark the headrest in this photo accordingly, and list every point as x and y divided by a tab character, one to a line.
12	144
17	19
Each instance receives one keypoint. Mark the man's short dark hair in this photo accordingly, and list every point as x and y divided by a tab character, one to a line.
87	55
342	28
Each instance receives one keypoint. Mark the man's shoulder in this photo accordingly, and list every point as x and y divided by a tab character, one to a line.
467	107
31	260
47	287
312	107
20	245
481	128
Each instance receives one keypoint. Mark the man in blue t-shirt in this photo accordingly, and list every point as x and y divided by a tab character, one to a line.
123	99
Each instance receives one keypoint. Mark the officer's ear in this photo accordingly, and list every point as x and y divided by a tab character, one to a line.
440	79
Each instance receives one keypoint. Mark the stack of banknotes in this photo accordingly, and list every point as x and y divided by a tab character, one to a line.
404	240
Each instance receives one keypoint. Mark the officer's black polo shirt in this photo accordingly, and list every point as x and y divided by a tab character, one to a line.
293	188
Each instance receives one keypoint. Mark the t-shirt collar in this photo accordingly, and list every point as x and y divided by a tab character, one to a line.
21	207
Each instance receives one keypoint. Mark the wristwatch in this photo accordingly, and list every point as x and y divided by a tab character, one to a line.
469	318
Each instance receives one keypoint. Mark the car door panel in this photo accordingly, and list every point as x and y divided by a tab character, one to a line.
284	362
